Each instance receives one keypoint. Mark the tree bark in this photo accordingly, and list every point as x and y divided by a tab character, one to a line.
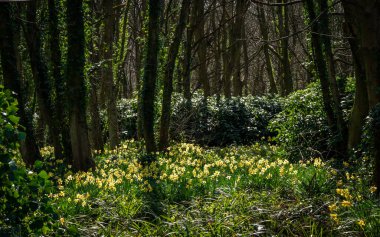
29	149
325	38
59	84
199	38
320	65
360	108
41	78
225	52
268	62
283	26
363	16
110	87
168	77
150	74
76	93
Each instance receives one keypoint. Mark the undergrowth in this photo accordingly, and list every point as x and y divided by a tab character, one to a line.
238	191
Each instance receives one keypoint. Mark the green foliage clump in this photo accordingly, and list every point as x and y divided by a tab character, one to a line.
212	122
223	121
24	208
302	126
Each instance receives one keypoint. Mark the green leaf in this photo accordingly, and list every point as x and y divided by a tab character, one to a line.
43	175
14	119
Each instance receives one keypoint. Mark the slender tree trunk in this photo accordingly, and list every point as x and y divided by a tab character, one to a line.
29	149
41	78
168	77
95	133
268	62
199	37
59	84
187	64
325	33
217	53
110	87
150	74
225	56
76	92
246	61
283	26
236	46
138	24
319	62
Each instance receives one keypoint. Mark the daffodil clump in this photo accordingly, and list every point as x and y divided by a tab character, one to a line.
187	173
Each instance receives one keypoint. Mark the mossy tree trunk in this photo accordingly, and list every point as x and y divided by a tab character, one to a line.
76	90
41	77
29	149
150	74
168	76
107	74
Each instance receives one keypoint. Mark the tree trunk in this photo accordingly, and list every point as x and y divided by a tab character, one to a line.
59	84
325	33
319	62
225	52
139	16
283	26
200	41
76	93
236	45
94	75
41	78
264	33
150	74
168	77
110	87
360	108
29	149
187	64
363	16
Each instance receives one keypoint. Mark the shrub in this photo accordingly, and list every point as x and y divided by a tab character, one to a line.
221	122
302	127
23	193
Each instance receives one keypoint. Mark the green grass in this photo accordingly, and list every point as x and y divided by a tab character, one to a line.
234	191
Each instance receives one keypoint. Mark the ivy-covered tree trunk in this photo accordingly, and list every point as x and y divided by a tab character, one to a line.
150	74
59	83
96	137
76	90
29	149
168	77
41	77
109	85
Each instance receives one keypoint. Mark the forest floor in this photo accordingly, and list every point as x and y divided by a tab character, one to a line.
232	191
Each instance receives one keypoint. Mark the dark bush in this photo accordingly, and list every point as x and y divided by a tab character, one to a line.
213	122
223	122
24	207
